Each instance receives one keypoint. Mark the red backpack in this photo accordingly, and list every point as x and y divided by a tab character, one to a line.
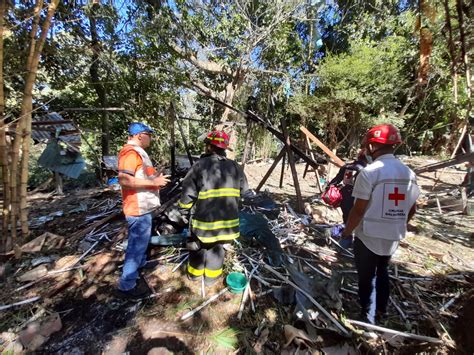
332	196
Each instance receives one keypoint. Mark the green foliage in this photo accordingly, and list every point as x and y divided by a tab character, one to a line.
356	89
37	174
226	338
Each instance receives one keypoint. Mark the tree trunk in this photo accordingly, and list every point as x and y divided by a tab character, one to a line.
98	86
467	69
426	40
229	94
452	51
3	143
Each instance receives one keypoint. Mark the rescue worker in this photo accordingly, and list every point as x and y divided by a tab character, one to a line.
140	184
385	193
213	188
347	176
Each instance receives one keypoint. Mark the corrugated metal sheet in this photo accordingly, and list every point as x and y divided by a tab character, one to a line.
44	132
66	163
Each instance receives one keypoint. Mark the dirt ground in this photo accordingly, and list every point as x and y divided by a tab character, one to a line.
94	320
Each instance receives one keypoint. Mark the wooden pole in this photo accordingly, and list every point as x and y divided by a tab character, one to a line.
185	142
269	172
291	161
282	170
318	181
247	144
335	160
445	163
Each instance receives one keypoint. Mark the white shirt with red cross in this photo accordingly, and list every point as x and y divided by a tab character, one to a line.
391	188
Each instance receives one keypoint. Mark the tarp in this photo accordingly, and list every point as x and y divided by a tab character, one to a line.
255	226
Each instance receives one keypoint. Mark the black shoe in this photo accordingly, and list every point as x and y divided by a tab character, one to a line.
193	278
380	317
150	265
364	317
210	281
140	290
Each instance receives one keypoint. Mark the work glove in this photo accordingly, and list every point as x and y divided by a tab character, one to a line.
193	244
346	242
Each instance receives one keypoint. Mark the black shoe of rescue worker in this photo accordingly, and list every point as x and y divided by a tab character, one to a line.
140	290
380	317
193	278
364	317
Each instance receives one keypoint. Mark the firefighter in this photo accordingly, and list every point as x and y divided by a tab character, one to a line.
212	188
385	193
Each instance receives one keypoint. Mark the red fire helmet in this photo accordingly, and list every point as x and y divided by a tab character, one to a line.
219	139
384	134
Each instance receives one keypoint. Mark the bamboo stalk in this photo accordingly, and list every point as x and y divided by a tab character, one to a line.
20	126
3	144
395	332
27	106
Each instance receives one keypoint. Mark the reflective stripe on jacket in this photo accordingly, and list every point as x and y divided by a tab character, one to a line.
213	187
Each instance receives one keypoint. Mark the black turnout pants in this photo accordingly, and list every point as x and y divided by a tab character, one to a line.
207	261
372	267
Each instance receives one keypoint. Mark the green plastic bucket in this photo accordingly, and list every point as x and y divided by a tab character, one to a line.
236	281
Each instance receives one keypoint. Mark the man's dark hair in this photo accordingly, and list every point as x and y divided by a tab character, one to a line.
214	149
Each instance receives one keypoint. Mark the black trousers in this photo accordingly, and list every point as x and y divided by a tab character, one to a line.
347	201
207	261
372	267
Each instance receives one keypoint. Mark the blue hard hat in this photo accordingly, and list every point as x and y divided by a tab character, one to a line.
138	127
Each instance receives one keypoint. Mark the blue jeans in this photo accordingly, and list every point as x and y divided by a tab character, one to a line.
139	234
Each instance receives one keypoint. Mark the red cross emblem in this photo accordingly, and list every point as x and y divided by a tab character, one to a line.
396	196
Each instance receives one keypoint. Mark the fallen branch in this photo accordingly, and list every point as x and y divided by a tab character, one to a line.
395	332
210	300
29	300
397	307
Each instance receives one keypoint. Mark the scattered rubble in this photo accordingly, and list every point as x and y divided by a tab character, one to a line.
303	289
